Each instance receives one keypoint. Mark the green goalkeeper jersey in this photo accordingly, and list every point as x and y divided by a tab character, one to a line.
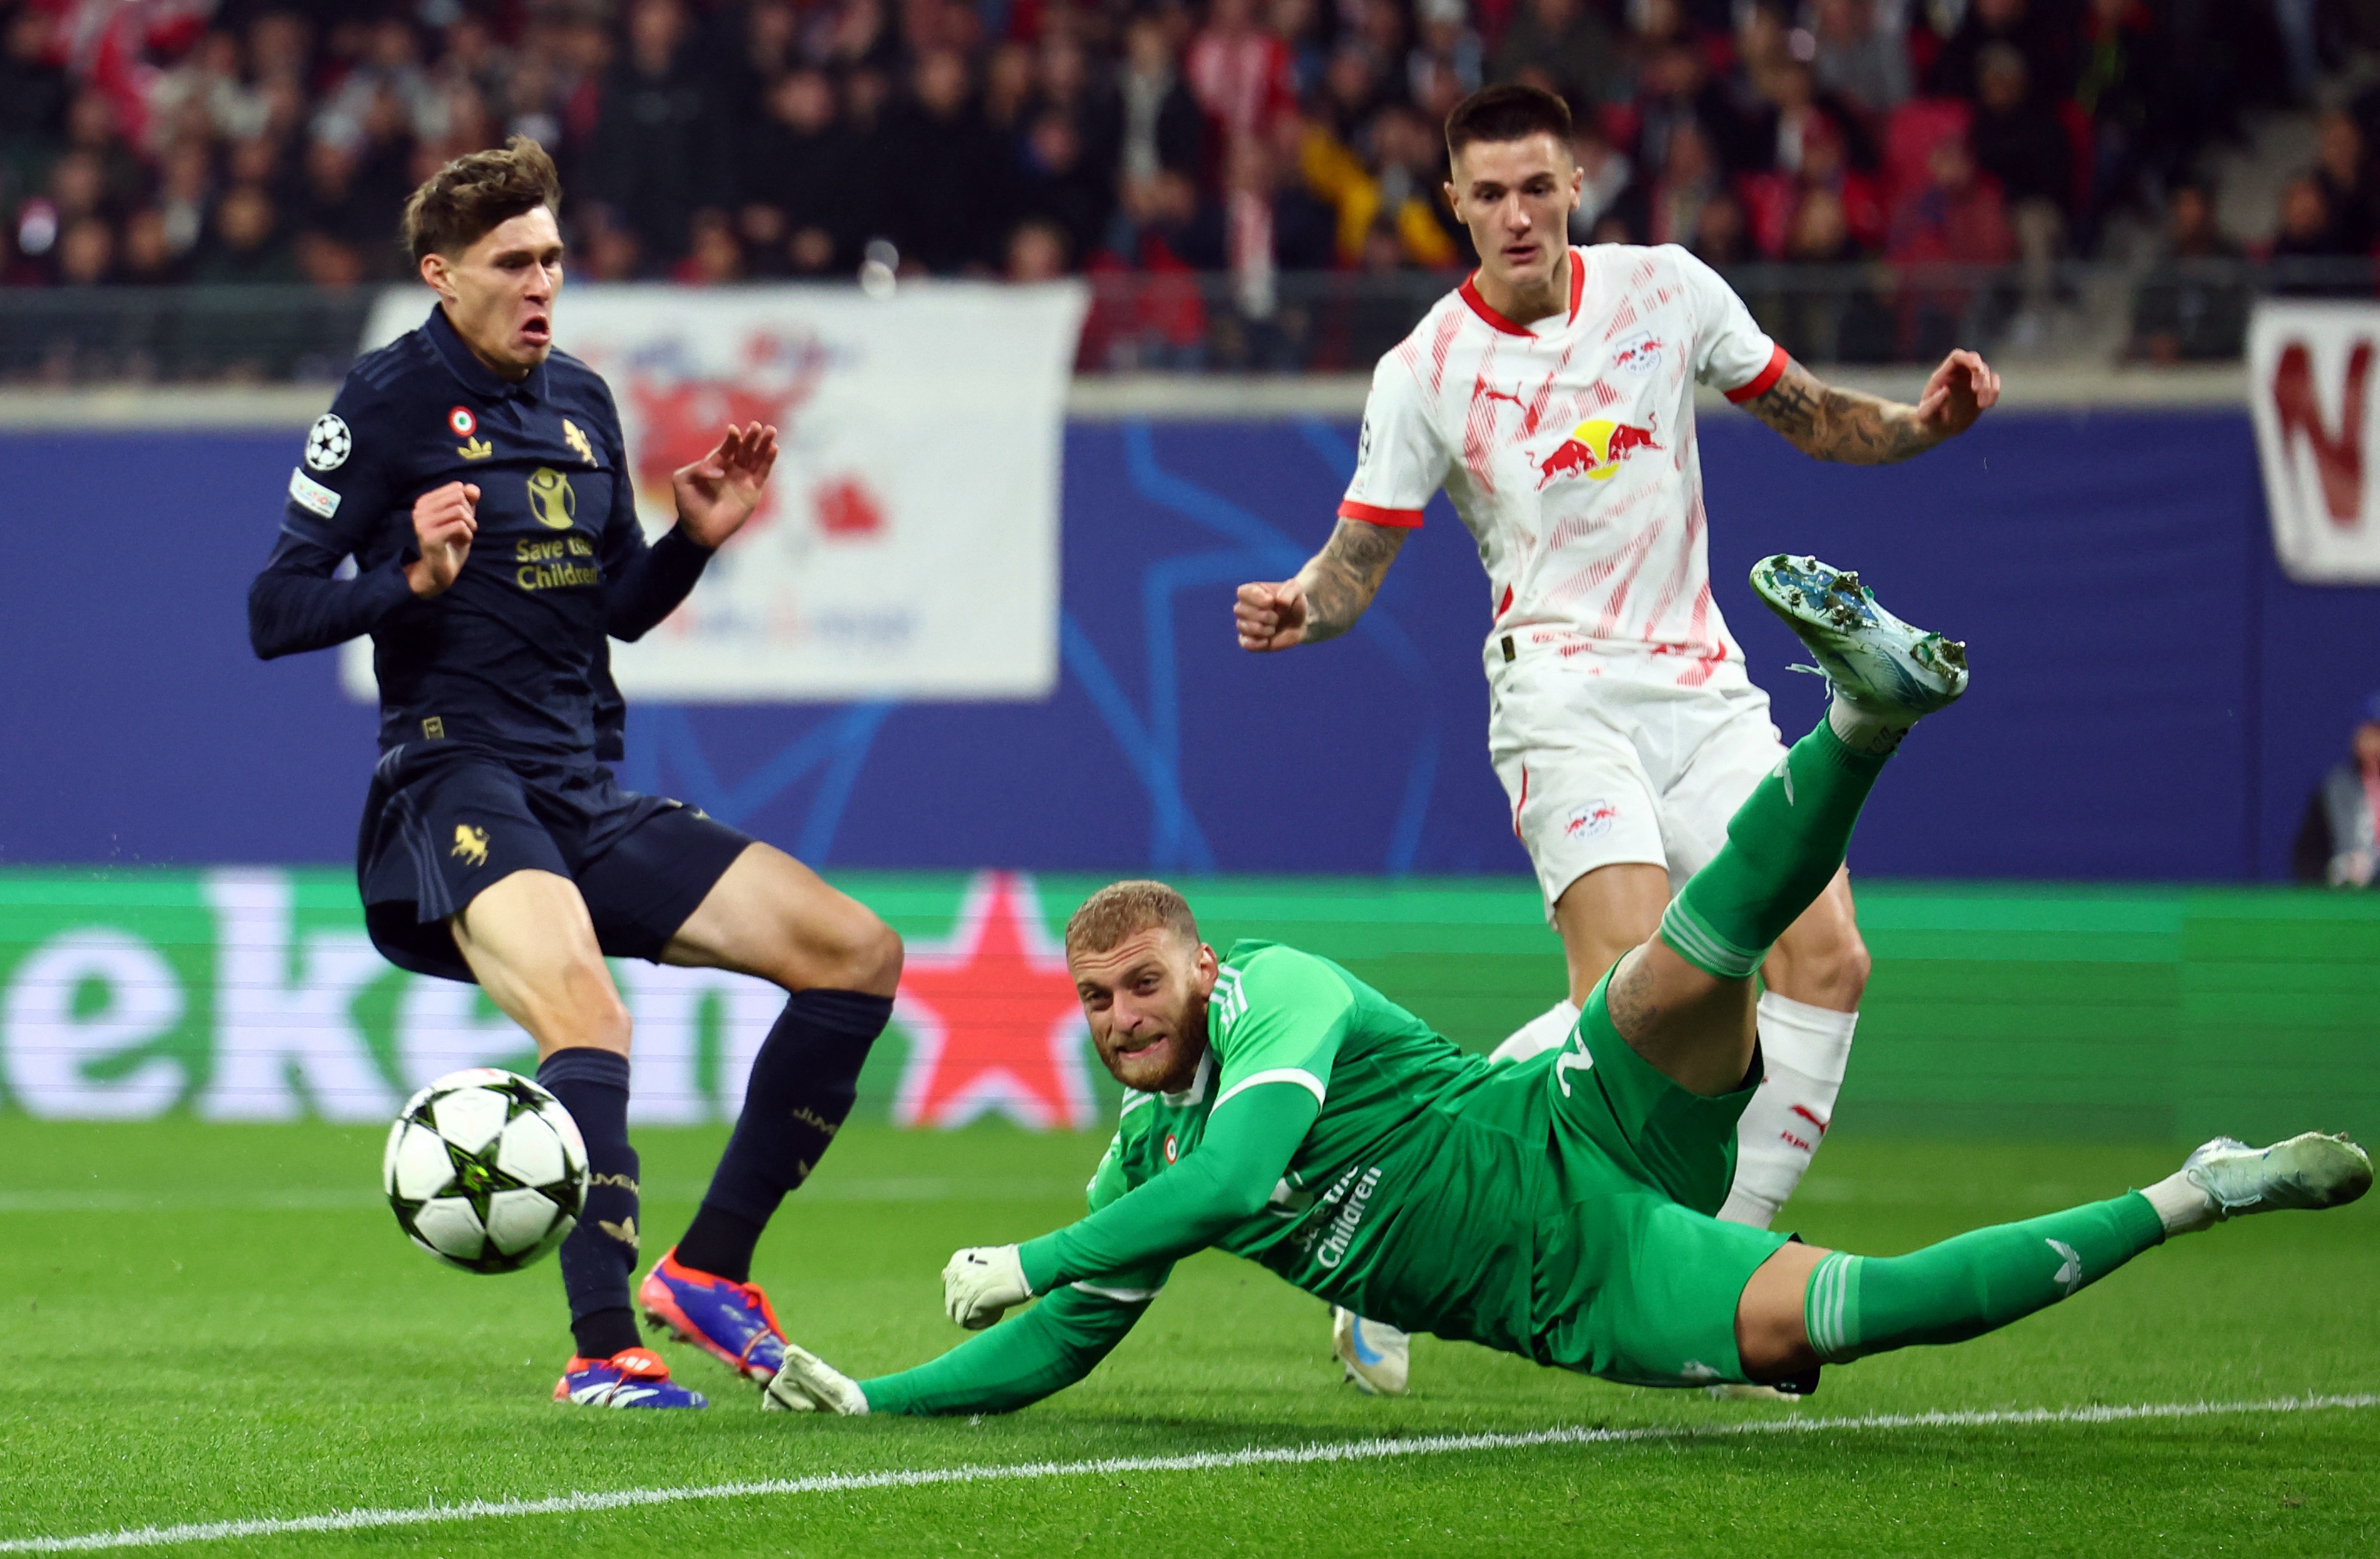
1415	1198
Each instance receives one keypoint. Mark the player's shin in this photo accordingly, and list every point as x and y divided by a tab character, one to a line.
601	1254
802	1086
1783	847
1980	1281
1804	1051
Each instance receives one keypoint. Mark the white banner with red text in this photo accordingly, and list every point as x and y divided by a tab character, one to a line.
907	545
2318	436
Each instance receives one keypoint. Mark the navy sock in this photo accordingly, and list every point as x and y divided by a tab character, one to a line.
802	1085
601	1254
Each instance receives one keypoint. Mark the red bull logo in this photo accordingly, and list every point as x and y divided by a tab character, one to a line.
1593	450
1638	353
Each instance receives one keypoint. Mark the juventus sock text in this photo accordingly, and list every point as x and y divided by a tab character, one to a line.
601	1254
802	1085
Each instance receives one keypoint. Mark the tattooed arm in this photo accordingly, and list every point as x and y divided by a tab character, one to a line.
1827	423
1327	595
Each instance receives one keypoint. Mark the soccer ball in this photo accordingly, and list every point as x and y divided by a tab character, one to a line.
486	1170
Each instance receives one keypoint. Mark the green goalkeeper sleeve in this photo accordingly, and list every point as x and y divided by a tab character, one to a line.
1048	1349
1228	1176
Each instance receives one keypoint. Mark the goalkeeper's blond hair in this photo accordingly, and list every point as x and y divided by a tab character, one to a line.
1123	910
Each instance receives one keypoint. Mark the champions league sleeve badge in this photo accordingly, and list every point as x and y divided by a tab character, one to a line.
328	441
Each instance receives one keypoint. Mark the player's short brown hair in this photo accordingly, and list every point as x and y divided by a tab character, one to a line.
1123	910
478	192
1509	111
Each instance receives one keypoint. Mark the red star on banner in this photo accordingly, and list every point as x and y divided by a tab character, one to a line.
993	1020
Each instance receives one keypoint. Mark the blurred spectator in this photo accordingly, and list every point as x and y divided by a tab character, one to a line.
2310	250
1408	189
1036	251
150	258
794	167
2016	141
1151	120
2027	150
2346	176
661	149
2192	309
955	193
2124	90
205	95
715	258
1675	91
1843	321
329	263
246	245
1689	176
94	131
2030	27
1956	218
334	201
34	87
1720	237
1564	46
1061	186
1239	73
183	195
86	254
1448	62
1608	190
2338	836
1858	59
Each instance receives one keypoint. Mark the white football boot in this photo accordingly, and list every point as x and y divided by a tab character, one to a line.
1377	1356
2311	1171
1873	659
809	1384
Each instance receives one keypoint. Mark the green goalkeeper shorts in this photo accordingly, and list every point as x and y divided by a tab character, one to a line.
1637	1281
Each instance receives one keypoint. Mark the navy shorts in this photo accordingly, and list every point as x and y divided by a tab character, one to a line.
441	826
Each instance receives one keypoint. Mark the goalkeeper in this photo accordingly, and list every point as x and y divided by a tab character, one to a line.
1561	1208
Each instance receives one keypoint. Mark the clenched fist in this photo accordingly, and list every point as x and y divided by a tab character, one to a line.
444	521
1270	616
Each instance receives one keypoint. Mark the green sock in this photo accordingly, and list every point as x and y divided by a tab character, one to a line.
1783	847
1976	1283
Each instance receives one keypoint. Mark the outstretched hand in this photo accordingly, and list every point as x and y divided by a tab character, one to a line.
1270	616
1963	389
718	494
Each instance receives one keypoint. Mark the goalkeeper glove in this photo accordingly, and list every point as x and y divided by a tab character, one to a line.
982	1281
809	1384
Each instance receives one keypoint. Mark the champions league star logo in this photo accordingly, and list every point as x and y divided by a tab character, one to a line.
327	442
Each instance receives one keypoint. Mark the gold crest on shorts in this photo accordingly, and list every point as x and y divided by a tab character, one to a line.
472	844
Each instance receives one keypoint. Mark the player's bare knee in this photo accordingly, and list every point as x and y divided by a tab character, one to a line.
1842	972
874	960
845	948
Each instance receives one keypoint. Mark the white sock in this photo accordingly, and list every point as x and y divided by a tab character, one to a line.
1804	1051
2182	1207
1548	1031
1871	731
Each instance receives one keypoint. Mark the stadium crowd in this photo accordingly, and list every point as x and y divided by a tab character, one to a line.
262	140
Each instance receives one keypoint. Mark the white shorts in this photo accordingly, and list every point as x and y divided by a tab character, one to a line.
1604	765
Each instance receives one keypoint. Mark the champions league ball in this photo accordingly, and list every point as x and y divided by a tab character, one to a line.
486	1170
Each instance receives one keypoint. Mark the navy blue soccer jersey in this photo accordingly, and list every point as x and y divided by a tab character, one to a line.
513	659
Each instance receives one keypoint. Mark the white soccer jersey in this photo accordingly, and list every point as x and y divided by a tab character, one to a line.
1567	449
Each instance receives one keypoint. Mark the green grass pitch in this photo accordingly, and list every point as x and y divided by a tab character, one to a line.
217	1323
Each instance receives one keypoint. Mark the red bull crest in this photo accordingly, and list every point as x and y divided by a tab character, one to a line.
1593	450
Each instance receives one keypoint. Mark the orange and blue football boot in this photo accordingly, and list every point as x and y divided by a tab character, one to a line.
630	1378
730	1321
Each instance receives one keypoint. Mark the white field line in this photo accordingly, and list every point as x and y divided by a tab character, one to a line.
1203	1461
